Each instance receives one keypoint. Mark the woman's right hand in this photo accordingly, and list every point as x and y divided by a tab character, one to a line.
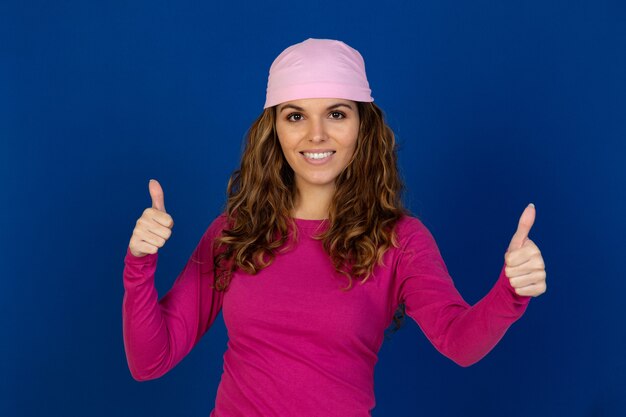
154	226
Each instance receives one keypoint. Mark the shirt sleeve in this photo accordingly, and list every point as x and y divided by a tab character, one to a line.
158	334
463	333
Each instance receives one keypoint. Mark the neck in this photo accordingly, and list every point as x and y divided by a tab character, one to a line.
312	203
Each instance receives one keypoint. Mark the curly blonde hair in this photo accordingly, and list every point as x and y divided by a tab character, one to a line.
261	193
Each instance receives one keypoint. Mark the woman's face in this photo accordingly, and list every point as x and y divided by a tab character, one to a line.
318	138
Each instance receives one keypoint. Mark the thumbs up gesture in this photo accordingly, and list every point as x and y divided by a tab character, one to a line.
524	264
154	226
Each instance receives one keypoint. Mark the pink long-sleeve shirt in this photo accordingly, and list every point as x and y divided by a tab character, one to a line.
297	343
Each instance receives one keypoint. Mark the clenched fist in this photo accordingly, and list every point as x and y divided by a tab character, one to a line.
524	264
154	226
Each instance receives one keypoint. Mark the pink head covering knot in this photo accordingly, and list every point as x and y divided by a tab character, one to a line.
317	68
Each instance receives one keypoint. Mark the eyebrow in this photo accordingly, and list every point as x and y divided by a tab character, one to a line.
332	107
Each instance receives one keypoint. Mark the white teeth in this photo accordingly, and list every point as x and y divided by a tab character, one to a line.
320	155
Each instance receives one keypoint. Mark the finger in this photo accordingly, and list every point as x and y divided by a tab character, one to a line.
156	193
153	239
520	256
532	265
528	279
523	227
139	247
511	272
532	290
524	269
164	220
161	231
158	217
146	248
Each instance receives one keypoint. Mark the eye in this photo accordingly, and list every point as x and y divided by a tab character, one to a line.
294	117
337	115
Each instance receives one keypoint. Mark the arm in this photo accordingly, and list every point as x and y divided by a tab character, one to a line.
461	332
159	334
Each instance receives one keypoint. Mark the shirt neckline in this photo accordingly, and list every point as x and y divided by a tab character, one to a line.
310	224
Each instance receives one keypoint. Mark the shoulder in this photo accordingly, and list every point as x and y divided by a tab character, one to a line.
205	249
409	226
417	252
412	233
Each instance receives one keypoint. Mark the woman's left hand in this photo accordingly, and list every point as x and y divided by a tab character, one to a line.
524	264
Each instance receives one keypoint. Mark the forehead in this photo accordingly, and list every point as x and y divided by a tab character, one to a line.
317	104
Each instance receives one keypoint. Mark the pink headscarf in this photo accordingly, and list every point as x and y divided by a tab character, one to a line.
317	68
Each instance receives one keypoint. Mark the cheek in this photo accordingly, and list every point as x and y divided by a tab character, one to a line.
288	138
285	149
353	141
354	134
284	146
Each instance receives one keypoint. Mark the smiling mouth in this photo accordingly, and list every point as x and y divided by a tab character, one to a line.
317	155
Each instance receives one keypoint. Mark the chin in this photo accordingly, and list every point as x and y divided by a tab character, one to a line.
320	182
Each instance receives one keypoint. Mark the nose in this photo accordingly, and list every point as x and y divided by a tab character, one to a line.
317	131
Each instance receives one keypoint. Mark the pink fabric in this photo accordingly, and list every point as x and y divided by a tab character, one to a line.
317	68
298	345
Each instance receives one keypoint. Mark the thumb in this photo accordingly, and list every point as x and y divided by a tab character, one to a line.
523	228
156	193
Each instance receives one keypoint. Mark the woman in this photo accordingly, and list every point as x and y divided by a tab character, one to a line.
312	257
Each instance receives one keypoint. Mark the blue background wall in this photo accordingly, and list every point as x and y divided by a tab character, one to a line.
495	105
